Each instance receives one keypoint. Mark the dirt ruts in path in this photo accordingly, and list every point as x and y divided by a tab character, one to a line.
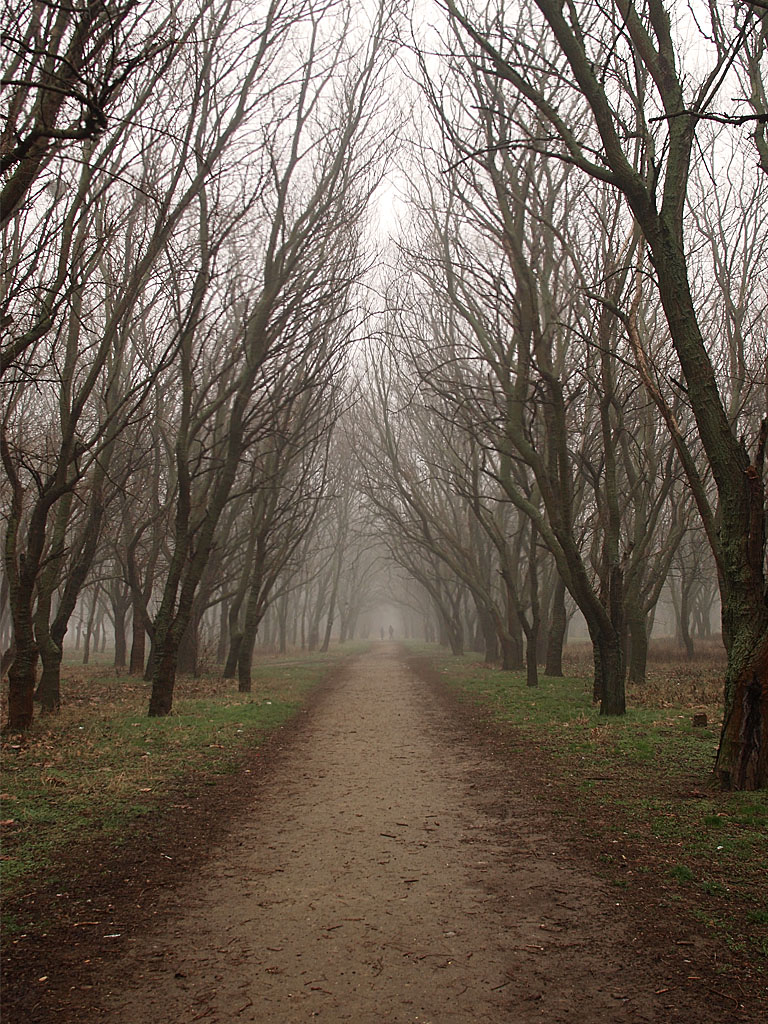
387	875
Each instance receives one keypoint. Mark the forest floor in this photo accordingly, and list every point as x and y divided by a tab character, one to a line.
385	858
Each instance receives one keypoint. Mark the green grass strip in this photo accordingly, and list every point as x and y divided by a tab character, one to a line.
85	774
642	780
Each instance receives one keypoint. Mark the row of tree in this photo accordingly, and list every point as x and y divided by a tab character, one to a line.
183	208
577	334
566	382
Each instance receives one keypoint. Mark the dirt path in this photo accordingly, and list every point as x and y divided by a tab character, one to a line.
389	875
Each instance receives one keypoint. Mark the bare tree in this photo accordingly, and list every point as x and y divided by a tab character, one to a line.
317	159
77	331
638	135
68	67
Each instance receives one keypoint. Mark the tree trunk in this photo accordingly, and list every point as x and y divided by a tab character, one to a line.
245	662
533	629
456	638
149	670
638	646
610	672
22	675
742	758
163	682
553	665
511	652
282	626
233	655
121	642
187	655
254	613
89	626
486	634
331	612
685	620
531	658
138	644
221	647
49	688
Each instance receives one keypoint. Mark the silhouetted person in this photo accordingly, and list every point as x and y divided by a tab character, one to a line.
391	632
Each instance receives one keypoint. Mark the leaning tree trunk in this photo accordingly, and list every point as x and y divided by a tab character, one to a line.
329	624
187	565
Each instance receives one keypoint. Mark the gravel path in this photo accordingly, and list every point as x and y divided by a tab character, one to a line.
390	874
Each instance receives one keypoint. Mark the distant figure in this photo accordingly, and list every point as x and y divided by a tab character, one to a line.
391	632
382	632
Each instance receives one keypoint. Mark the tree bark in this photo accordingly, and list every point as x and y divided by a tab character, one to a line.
610	672
553	665
187	656
638	645
489	634
138	644
233	654
22	675
121	641
49	687
163	682
254	613
742	758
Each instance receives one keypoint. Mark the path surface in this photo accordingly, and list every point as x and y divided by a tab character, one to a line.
387	875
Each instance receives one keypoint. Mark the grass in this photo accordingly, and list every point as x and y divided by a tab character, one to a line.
83	775
641	784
